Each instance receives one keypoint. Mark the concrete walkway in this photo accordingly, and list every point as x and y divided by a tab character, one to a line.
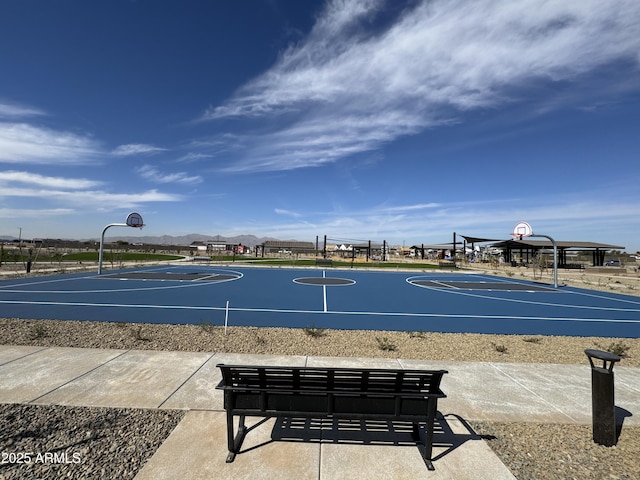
196	449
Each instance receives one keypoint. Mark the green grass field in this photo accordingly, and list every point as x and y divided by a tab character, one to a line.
93	257
119	257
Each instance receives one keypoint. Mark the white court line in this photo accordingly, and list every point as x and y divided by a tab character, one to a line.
175	284
8	287
114	290
443	284
207	277
452	291
586	294
572	292
333	312
324	292
87	276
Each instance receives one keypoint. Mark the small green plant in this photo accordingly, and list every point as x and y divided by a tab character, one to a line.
259	339
314	332
138	335
500	348
617	348
38	331
208	326
384	343
532	339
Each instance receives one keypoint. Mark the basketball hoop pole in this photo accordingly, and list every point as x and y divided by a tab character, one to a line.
133	220
555	255
523	229
102	243
555	258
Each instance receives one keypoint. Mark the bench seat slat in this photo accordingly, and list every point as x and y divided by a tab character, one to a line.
377	393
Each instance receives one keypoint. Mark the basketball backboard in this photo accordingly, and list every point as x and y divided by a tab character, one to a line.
134	219
522	229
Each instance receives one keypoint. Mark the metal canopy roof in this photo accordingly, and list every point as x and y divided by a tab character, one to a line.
526	242
471	239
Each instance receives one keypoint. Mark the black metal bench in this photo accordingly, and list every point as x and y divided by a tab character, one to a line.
447	264
324	262
337	393
571	266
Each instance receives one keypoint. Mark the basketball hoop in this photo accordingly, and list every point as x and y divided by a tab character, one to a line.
134	219
521	230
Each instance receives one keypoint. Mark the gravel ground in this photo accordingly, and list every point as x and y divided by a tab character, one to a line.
315	342
553	452
114	443
44	442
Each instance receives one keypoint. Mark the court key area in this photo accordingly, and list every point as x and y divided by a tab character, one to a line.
332	298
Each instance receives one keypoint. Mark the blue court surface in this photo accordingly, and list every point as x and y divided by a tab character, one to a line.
340	299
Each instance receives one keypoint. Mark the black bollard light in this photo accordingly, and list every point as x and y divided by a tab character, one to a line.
602	397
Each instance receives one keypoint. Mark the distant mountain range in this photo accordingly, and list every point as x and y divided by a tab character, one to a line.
247	240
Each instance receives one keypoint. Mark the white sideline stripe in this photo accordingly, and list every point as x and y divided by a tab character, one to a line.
357	313
324	291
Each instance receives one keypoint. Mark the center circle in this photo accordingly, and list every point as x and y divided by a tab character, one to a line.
324	281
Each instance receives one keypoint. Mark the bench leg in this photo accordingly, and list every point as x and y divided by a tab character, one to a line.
234	442
426	446
423	446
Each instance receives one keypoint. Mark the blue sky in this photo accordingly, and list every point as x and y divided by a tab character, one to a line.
364	120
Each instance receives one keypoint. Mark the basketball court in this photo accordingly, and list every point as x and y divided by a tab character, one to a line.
332	298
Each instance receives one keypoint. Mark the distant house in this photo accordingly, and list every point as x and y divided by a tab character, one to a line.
287	247
216	247
198	246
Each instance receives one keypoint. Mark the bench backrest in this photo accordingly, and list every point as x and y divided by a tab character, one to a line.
334	380
347	392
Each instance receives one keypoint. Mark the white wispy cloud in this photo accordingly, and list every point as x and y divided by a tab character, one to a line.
33	213
281	211
46	181
86	199
438	226
406	208
122	200
152	174
348	88
79	192
25	143
194	157
14	111
136	149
